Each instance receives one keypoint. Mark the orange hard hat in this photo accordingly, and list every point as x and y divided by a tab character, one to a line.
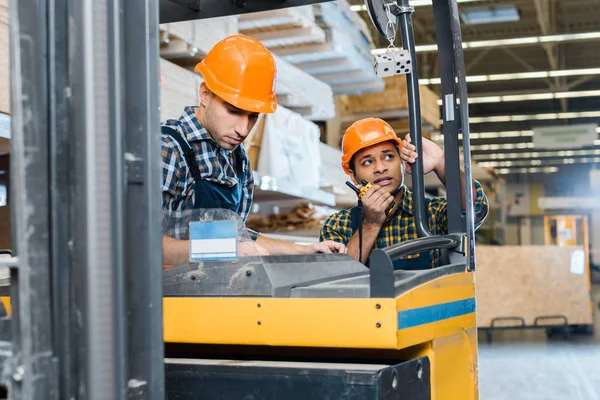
241	71
364	133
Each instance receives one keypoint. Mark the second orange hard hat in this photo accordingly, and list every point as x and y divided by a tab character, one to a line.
365	133
241	71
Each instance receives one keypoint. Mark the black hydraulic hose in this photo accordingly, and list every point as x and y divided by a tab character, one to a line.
414	109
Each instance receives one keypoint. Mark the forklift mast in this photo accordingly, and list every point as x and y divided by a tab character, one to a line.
86	282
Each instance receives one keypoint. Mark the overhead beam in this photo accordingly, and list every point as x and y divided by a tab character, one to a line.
477	59
546	23
525	64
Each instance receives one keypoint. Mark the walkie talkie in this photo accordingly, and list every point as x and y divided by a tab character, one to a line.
364	189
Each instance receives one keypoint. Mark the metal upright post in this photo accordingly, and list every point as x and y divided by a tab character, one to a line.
143	253
456	120
96	250
33	371
60	168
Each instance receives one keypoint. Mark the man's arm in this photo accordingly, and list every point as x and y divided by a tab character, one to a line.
369	237
440	171
374	204
434	160
332	230
280	247
175	251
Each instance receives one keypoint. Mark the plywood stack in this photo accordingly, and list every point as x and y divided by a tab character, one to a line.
189	42
4	59
530	282
344	60
278	29
394	99
178	88
303	93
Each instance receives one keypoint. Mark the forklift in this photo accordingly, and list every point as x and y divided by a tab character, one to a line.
89	312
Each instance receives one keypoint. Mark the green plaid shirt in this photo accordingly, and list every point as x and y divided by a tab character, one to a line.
401	226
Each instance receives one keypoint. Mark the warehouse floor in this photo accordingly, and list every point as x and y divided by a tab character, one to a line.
525	365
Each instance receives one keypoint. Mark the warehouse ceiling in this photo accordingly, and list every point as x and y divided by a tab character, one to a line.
563	73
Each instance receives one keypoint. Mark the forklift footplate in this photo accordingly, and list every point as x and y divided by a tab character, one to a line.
231	380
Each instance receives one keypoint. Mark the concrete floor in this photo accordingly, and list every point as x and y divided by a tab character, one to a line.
525	365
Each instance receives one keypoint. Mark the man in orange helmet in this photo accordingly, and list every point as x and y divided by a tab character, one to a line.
204	164
373	153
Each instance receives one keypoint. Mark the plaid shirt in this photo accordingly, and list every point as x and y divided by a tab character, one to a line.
401	226
215	164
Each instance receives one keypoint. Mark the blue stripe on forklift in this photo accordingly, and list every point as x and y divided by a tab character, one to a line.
437	312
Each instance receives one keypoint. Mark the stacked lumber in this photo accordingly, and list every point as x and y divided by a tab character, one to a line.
278	29
188	42
295	89
4	59
300	217
392	104
178	89
303	93
530	282
343	61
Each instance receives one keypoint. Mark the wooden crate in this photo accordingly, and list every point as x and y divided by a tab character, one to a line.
4	59
530	282
394	99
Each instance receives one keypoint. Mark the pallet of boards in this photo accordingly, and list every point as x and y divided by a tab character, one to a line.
188	42
4	59
282	28
532	282
178	89
303	93
295	89
338	15
337	62
393	99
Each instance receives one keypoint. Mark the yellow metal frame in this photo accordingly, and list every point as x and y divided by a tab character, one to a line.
425	321
436	319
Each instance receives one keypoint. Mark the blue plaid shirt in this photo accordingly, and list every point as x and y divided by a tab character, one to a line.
215	164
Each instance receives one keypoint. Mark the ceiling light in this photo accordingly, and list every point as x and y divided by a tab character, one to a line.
527	40
519	75
546	170
534	155
574	72
532	117
439	137
569	37
535	163
489	14
530	97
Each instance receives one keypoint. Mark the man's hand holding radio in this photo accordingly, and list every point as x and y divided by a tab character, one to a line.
375	203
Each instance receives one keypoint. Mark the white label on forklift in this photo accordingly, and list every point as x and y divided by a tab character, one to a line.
449	103
578	262
213	241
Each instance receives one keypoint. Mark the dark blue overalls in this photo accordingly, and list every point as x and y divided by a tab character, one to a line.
408	264
209	194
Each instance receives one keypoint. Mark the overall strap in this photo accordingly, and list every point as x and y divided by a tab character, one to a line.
188	152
